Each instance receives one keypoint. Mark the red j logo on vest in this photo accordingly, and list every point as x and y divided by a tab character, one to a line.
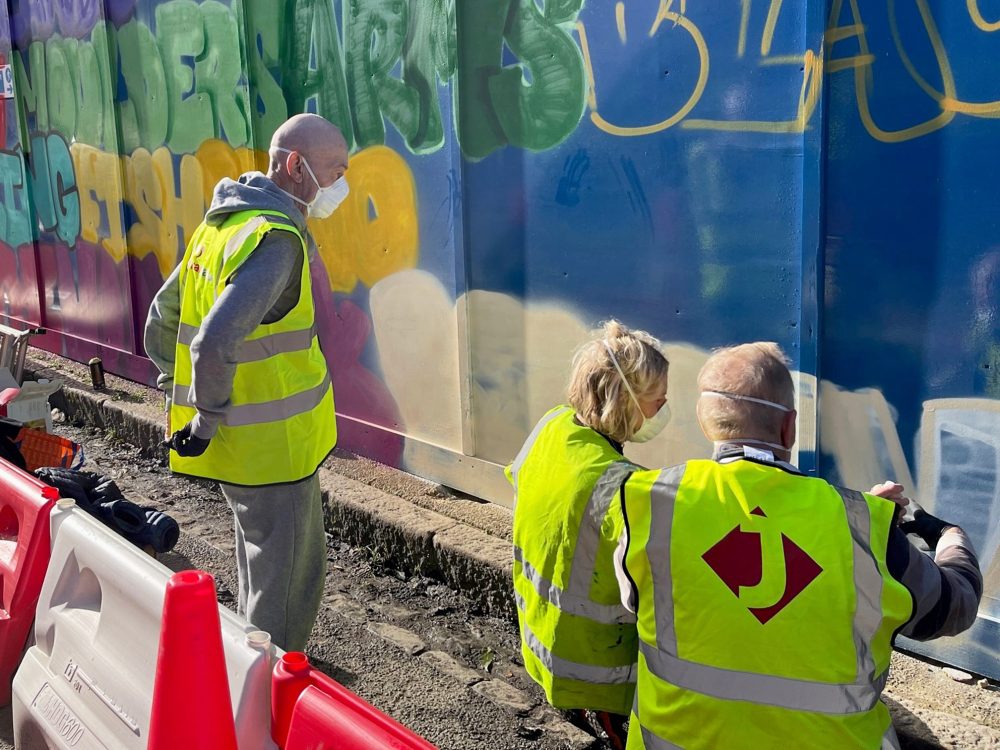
738	560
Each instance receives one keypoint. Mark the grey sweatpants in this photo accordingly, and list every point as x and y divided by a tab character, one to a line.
280	557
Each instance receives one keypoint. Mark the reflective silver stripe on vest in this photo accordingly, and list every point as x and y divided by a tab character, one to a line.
654	742
267	411
588	538
282	221
867	582
261	348
571	670
522	455
650	740
663	497
237	240
783	692
606	614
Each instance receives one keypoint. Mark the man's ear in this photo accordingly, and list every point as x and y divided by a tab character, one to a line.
697	414
293	166
788	429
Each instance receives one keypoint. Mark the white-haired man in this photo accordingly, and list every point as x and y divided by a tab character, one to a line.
767	600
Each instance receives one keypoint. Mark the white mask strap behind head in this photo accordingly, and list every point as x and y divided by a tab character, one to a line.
305	163
621	374
741	397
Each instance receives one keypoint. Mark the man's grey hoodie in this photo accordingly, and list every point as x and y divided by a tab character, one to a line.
263	290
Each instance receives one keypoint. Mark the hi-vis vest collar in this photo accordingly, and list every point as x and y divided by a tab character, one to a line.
729	452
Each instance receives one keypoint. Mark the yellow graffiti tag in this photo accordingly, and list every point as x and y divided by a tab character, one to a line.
218	159
947	103
862	62
767	38
166	217
809	61
375	232
977	17
100	187
663	14
812	86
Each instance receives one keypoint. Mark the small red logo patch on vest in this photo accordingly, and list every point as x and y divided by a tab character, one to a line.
738	560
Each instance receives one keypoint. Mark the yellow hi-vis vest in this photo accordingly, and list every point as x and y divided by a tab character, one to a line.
578	641
281	424
765	609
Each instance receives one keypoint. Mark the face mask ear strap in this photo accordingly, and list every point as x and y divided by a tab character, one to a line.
741	397
621	374
305	163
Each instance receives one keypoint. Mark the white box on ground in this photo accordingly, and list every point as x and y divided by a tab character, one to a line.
32	404
87	682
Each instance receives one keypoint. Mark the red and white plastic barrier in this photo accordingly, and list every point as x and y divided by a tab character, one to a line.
310	711
191	704
25	504
128	655
88	680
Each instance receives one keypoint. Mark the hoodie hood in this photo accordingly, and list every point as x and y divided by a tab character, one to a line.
253	191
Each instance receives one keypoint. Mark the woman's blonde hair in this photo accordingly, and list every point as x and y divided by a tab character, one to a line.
596	391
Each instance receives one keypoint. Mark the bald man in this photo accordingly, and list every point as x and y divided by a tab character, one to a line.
249	397
766	600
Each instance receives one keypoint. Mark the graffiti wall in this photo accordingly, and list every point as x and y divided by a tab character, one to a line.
813	173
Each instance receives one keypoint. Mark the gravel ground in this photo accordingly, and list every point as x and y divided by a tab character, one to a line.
426	691
422	653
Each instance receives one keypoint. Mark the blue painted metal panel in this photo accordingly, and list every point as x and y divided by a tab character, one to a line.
912	278
816	173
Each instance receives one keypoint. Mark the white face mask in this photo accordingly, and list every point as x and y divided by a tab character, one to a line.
327	199
755	400
651	426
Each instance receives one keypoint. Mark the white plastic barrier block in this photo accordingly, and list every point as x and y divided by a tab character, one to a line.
88	680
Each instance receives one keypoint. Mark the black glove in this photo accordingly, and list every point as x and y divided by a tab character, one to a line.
918	521
186	444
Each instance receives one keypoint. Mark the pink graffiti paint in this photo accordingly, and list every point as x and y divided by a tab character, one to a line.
3	110
344	330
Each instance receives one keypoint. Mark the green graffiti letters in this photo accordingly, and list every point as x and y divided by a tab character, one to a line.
53	192
374	34
145	114
206	97
430	53
541	115
206	69
496	106
263	51
184	85
15	227
313	78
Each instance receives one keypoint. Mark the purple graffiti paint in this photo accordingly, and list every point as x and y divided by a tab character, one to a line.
76	18
120	11
30	21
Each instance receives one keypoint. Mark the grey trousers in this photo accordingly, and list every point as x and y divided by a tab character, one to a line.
280	557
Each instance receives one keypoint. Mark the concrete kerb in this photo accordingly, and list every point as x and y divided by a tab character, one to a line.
394	531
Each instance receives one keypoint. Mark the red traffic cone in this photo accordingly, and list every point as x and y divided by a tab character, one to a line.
192	708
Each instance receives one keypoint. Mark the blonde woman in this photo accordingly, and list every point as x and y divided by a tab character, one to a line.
579	643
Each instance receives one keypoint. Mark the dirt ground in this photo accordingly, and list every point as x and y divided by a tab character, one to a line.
364	596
